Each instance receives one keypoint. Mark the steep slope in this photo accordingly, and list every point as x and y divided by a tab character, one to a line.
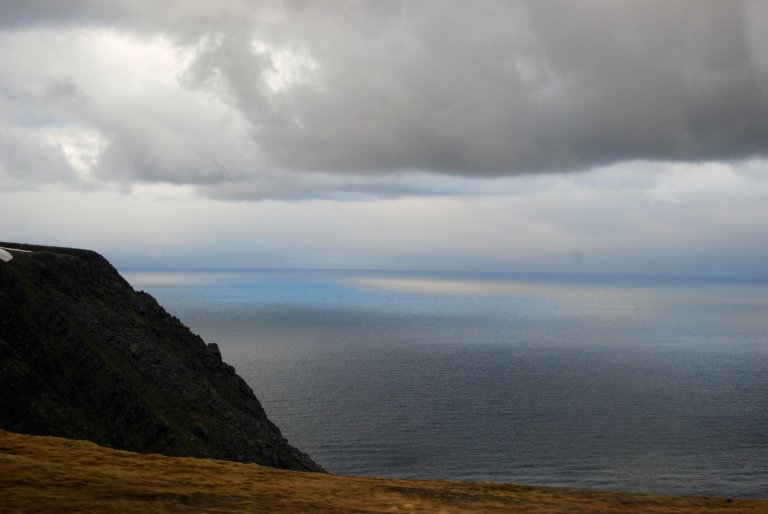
83	355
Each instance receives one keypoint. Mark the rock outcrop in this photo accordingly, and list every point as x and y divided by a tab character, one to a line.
84	356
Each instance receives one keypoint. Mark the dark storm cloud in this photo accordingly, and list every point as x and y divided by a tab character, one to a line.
652	79
471	88
506	87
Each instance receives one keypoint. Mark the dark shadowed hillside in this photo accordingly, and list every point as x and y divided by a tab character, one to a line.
83	355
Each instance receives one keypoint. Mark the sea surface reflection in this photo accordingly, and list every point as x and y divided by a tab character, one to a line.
611	383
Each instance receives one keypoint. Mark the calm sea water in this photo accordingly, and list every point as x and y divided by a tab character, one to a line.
620	384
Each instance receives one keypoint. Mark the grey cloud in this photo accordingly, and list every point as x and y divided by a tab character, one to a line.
27	161
503	88
486	88
657	79
166	153
178	18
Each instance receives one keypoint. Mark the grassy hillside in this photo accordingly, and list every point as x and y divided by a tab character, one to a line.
64	475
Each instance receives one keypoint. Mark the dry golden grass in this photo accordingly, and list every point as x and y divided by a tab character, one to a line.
52	474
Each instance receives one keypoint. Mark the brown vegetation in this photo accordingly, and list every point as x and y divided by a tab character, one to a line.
64	475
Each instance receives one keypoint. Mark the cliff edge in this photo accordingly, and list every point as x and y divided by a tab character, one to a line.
84	356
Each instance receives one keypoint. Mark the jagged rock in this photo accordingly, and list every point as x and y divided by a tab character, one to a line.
84	356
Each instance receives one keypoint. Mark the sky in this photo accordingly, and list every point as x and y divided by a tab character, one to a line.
525	136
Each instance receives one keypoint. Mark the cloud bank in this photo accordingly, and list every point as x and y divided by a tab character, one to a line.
672	219
305	98
546	135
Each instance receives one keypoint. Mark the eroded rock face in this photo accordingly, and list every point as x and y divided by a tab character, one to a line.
84	356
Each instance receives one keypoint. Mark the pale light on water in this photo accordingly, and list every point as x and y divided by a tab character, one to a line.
639	385
160	279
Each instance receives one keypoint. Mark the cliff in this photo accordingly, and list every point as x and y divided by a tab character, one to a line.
84	356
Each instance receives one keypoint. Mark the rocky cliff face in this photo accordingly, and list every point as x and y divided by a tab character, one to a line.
84	356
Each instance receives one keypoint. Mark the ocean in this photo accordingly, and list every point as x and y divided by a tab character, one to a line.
631	384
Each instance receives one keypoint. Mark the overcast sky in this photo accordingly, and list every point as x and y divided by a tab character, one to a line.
544	135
